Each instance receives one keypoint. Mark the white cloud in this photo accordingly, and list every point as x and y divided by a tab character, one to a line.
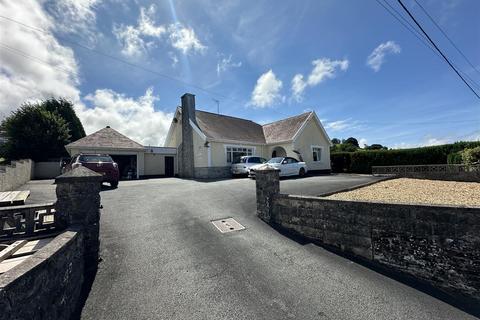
377	57
184	39
135	118
174	58
342	125
53	71
129	36
226	63
437	141
323	69
362	142
74	16
147	26
267	90
428	140
135	40
474	136
298	87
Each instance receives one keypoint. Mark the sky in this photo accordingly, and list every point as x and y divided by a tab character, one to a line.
127	63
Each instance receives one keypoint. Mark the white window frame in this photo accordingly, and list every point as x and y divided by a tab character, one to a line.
226	146
312	147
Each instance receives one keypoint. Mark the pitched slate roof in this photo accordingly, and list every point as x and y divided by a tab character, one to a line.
107	138
221	127
285	129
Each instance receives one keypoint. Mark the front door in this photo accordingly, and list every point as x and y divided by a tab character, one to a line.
169	167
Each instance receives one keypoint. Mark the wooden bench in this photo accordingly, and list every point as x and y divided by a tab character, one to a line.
13	198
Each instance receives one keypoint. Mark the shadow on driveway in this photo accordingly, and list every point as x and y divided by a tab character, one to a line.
467	305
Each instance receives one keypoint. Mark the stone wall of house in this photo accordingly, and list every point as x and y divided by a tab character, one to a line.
48	284
15	174
212	172
437	245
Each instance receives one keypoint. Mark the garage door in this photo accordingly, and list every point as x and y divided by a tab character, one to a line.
127	165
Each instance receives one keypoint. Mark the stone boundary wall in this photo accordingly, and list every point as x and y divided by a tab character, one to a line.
447	172
212	172
437	245
15	174
47	170
48	284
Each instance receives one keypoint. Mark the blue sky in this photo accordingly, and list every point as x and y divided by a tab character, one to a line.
351	62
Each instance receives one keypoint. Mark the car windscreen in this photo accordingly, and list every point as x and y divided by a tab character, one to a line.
95	158
243	160
275	160
254	160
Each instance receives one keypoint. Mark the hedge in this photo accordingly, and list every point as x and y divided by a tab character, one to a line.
362	161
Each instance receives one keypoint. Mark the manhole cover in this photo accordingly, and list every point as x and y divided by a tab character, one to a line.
227	225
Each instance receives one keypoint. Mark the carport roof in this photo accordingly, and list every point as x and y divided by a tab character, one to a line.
106	138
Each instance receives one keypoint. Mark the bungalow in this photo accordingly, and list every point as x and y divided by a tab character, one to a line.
207	143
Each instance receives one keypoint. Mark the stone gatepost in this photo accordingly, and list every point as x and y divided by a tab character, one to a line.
78	207
267	186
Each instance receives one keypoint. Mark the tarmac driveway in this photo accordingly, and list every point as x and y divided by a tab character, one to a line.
163	259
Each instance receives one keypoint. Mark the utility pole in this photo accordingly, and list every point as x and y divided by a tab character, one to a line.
218	105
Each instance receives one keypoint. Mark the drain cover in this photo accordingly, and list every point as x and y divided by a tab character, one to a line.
227	225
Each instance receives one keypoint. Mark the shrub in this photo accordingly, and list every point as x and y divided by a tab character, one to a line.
340	161
471	156
455	158
362	161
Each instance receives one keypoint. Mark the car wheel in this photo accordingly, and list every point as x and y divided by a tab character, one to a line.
301	173
114	184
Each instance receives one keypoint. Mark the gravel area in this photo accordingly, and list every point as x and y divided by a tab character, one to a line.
405	190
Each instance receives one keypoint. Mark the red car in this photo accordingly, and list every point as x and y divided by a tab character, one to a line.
101	163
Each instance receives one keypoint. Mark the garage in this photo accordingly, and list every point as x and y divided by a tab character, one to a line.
134	160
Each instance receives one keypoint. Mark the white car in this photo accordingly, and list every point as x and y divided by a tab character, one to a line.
288	167
246	162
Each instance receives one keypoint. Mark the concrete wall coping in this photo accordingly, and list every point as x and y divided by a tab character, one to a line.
38	258
79	174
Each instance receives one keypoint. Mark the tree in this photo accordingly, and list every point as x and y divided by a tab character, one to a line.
375	146
343	147
353	142
64	109
39	131
336	141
